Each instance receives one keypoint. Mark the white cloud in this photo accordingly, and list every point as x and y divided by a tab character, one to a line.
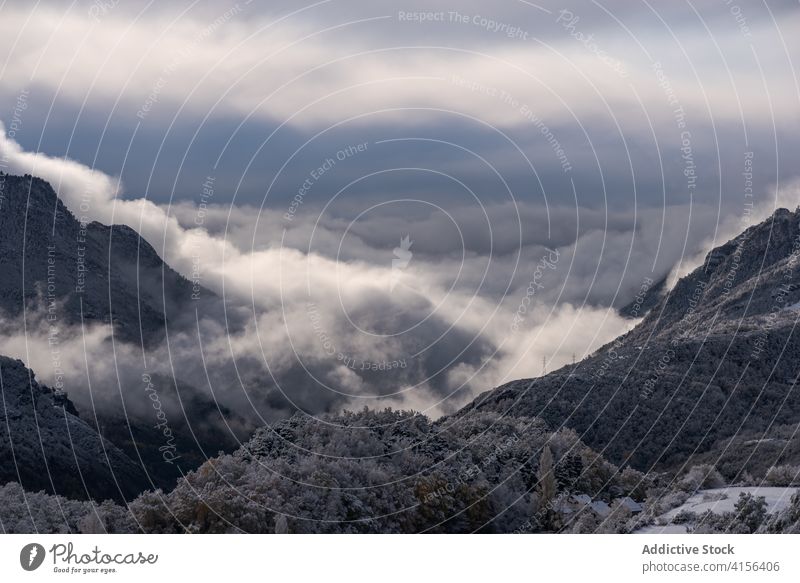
318	73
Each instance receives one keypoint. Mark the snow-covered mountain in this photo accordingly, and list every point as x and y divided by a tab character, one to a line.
44	445
61	275
716	357
94	272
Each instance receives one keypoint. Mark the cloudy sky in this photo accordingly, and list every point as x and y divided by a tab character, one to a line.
290	148
259	94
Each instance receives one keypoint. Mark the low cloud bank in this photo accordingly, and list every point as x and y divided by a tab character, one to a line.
415	310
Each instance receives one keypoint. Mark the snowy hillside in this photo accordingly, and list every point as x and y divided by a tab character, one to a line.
717	501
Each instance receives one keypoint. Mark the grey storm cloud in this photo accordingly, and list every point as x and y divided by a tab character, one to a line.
163	94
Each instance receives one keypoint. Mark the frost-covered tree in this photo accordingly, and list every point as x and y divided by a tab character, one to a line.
281	525
370	471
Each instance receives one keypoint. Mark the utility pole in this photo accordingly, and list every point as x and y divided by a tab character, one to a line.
544	365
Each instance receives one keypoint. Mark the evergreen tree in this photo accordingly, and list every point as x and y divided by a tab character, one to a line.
567	471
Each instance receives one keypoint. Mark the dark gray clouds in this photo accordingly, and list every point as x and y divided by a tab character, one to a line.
162	96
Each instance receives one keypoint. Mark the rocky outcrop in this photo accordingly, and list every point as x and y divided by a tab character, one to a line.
44	445
91	272
716	356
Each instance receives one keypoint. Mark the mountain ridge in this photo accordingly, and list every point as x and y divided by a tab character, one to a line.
705	346
96	273
60	274
45	445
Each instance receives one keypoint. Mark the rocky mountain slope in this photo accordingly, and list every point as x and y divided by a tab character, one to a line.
44	445
91	271
716	357
61	272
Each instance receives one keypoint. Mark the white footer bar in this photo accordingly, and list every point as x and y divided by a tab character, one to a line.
390	558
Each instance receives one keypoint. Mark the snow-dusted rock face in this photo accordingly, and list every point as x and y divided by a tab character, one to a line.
59	272
740	284
45	446
715	357
94	272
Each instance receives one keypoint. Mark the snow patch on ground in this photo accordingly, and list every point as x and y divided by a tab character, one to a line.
665	529
774	440
719	501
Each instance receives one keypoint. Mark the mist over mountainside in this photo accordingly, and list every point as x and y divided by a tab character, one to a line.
93	303
86	272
